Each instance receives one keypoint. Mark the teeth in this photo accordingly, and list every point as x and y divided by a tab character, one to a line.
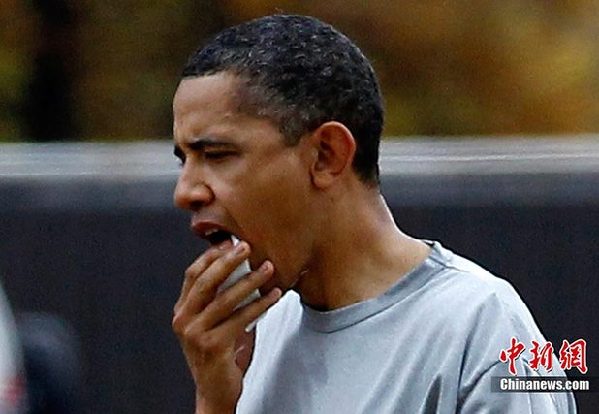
211	231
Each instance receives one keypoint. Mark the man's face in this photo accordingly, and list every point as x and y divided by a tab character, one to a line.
238	176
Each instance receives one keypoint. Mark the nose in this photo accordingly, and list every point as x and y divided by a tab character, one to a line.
191	192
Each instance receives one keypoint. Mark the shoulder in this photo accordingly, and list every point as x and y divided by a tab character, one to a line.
471	293
474	310
481	314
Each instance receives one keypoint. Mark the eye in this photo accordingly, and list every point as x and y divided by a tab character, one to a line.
217	155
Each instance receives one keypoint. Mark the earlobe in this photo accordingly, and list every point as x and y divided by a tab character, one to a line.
334	147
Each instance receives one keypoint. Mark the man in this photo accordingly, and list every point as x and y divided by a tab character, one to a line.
277	124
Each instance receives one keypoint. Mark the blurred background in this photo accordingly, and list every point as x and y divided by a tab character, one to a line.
491	146
72	69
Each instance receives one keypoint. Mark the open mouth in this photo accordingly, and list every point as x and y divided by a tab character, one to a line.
217	237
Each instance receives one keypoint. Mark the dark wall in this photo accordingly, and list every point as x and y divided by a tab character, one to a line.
115	276
108	256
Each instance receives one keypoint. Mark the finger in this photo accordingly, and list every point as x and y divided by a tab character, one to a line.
223	338
244	316
225	304
198	267
205	286
193	272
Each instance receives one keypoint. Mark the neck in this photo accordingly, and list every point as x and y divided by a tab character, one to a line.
361	254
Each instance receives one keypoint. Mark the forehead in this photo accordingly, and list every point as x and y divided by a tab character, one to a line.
209	106
205	105
217	92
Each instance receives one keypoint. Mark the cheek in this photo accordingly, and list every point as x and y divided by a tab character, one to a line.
263	215
282	201
250	209
274	195
271	214
271	205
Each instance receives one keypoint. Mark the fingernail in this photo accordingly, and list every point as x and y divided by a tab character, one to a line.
265	266
241	248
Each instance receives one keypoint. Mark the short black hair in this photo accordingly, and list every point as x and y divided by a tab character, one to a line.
300	73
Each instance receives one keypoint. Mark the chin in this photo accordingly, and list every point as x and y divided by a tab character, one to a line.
275	281
267	287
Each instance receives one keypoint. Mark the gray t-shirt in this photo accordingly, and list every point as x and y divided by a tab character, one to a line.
430	344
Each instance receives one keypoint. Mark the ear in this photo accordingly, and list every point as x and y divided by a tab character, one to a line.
334	147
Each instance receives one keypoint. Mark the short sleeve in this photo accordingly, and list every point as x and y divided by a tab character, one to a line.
480	399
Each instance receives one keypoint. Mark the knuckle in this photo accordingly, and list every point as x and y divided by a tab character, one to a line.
211	256
176	309
203	288
257	276
263	304
224	266
233	256
201	264
253	280
190	273
225	301
255	308
206	343
178	324
223	260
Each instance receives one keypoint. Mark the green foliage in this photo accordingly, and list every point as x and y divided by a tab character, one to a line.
15	43
446	67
